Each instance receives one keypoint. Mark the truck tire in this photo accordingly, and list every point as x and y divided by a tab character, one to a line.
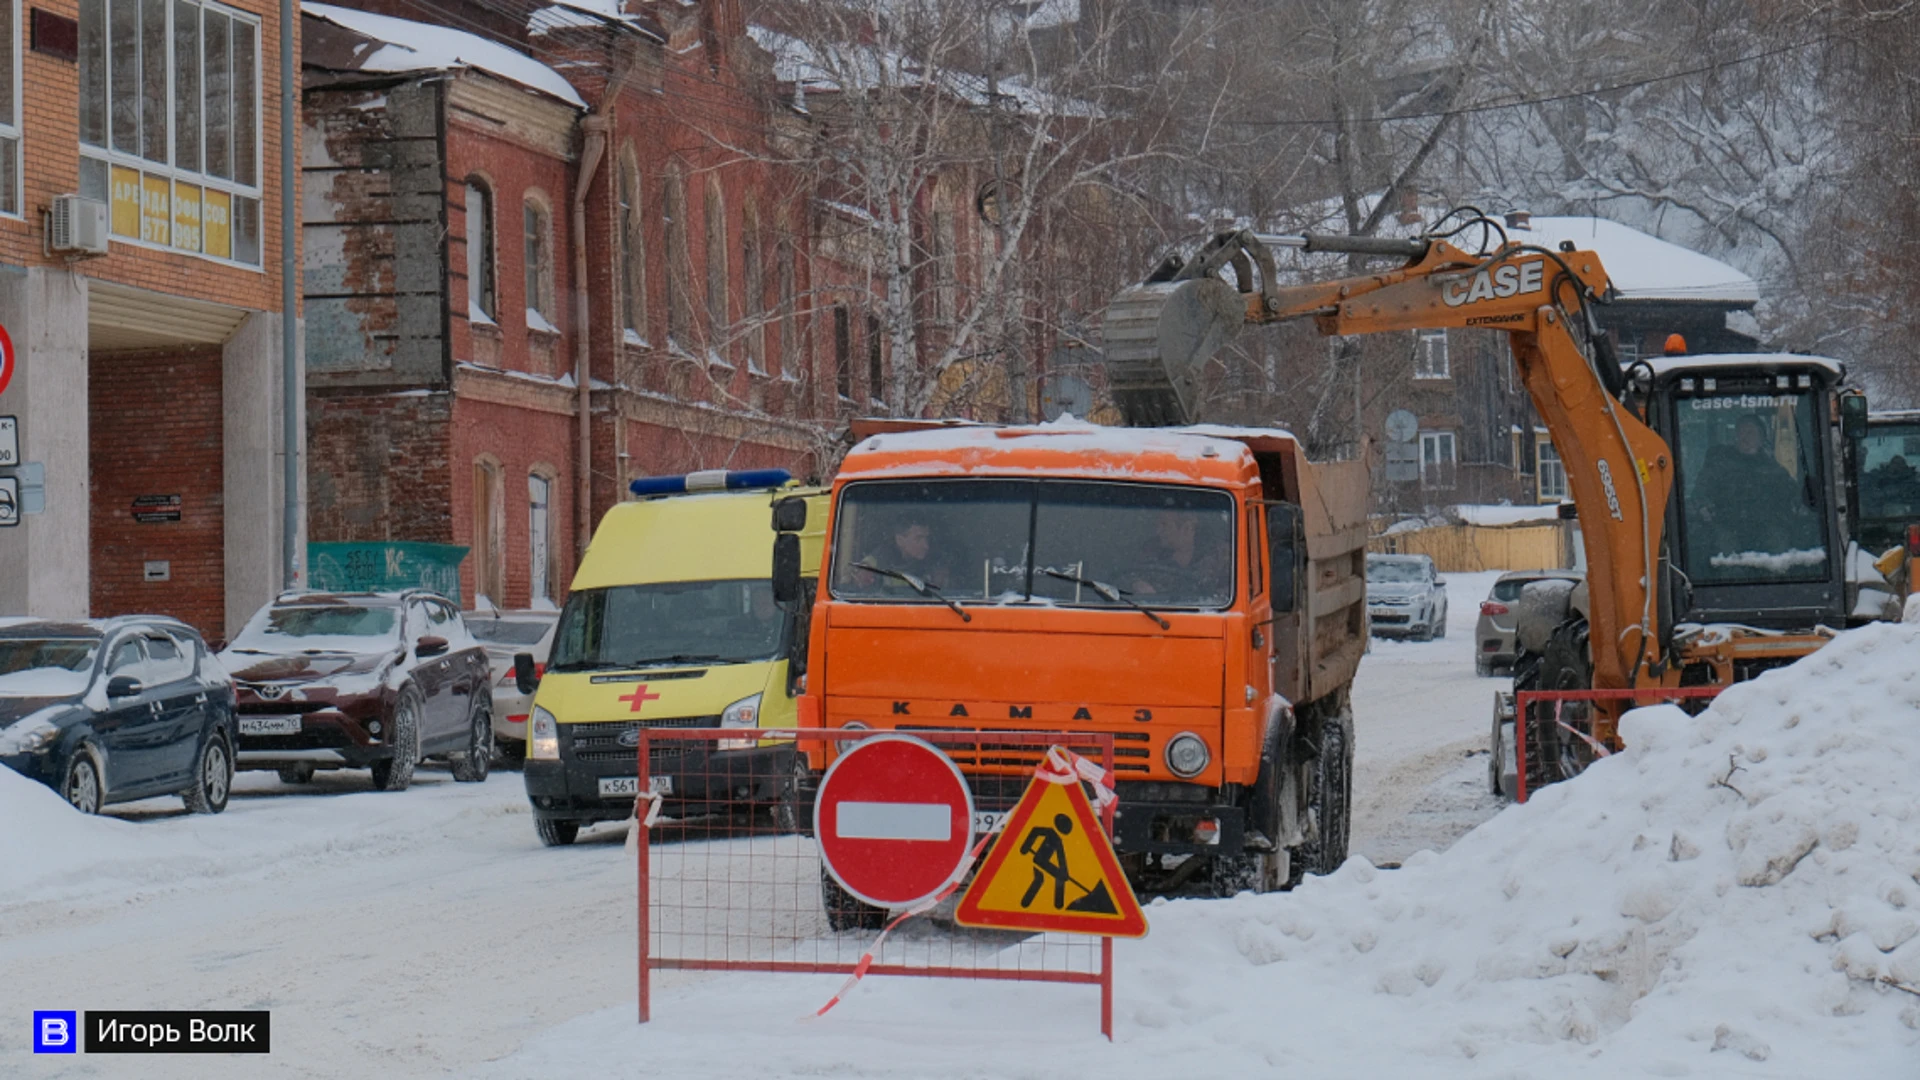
1554	754
1329	796
846	911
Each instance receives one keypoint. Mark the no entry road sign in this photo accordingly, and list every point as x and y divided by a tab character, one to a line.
894	820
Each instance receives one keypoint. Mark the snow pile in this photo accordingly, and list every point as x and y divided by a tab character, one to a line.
42	838
1736	893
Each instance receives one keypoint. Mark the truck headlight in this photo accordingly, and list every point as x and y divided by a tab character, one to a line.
543	736
742	713
1187	755
844	745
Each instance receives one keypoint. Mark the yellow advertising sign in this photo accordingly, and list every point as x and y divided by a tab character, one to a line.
186	217
216	230
156	210
126	202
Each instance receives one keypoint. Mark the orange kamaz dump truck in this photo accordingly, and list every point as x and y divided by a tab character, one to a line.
1197	592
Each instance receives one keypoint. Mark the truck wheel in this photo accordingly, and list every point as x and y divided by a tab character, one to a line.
1330	798
556	833
396	772
846	911
793	814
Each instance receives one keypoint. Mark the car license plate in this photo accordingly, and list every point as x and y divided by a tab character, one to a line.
270	725
988	821
630	785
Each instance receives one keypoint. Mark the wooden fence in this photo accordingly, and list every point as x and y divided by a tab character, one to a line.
1467	548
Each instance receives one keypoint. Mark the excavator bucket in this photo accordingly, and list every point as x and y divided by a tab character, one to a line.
1158	337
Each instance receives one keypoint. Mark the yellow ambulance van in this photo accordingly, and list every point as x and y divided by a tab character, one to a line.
672	623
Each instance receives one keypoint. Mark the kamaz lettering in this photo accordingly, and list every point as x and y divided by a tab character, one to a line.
1498	283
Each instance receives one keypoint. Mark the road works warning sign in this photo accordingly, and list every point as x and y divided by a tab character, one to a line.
1053	869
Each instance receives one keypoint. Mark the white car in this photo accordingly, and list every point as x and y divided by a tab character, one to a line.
505	633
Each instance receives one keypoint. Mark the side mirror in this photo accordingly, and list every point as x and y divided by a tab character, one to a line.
526	675
429	646
786	568
1440	581
790	514
1853	415
122	686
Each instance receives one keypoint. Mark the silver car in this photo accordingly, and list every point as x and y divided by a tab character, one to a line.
1406	597
1493	636
505	633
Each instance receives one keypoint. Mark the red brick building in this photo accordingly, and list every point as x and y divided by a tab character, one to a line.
496	251
148	383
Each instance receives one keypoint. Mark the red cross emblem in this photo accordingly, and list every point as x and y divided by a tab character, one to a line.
640	697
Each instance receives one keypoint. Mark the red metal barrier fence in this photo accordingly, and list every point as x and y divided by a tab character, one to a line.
730	877
1582	727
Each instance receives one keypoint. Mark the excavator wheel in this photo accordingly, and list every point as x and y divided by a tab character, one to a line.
1553	753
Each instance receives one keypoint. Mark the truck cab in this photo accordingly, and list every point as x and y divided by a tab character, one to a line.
1197	593
670	622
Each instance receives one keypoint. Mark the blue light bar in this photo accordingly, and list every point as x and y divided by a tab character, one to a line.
709	480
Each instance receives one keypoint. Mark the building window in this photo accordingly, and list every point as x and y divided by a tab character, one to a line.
539	541
784	361
1430	355
10	107
1552	472
716	224
539	266
679	259
170	123
753	283
1436	459
480	299
489	527
876	370
944	248
843	351
633	253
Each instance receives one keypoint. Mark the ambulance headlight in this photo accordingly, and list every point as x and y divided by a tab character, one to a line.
742	713
543	736
1187	755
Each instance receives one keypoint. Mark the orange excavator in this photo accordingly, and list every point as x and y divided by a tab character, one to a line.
1707	486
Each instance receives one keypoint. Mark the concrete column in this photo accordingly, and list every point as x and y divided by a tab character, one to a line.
44	561
255	458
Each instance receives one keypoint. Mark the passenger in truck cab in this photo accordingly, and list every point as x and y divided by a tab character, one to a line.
1180	560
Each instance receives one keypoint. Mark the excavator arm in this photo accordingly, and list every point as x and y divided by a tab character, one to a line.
1159	335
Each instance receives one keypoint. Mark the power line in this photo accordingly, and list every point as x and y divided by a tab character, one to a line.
1495	106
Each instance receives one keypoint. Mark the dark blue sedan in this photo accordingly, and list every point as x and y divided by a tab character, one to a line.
113	710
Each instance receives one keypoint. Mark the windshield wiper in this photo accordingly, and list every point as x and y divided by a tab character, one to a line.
917	584
587	665
1108	593
682	658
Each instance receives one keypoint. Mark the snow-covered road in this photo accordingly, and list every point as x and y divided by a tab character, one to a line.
427	932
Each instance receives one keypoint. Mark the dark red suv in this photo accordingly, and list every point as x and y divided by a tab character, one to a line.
374	681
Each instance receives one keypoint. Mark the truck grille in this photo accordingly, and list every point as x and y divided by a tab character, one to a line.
1012	757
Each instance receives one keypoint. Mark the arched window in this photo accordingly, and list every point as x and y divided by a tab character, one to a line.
679	270
753	286
716	223
480	298
537	230
489	533
633	249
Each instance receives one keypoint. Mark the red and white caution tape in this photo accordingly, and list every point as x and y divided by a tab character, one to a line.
1060	766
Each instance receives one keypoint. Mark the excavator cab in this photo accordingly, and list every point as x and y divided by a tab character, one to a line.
1754	532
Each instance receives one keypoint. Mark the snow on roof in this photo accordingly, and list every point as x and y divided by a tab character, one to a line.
1661	365
1643	267
570	14
856	66
1506	515
412	46
987	450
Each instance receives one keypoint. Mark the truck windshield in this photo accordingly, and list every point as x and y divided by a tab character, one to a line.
1164	546
677	622
1889	484
1752	496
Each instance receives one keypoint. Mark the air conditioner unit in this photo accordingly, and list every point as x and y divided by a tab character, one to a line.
79	224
